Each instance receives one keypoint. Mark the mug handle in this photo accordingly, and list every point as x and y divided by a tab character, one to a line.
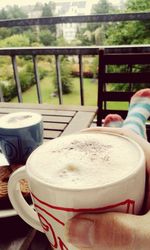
25	211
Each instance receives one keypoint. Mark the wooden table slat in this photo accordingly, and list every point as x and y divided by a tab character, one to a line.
44	106
50	134
80	121
54	125
41	111
57	119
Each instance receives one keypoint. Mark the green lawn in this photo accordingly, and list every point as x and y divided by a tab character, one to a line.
47	88
90	94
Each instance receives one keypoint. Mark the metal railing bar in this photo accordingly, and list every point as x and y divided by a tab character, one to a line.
81	80
1	95
36	75
90	50
59	83
16	78
49	51
76	19
128	48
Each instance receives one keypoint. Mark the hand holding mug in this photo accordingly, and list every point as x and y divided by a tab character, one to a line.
81	173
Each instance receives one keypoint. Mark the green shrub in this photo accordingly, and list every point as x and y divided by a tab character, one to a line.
42	72
9	90
66	80
26	80
15	41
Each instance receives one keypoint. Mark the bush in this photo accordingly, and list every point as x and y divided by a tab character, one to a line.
66	80
42	72
87	74
88	70
27	78
15	41
9	90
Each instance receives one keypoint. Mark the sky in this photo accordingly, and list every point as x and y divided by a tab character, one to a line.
4	3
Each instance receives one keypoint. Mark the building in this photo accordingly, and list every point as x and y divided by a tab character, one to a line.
71	8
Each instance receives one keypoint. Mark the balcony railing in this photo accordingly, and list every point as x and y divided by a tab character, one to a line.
58	51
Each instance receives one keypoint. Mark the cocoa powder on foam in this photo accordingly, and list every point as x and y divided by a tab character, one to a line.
84	160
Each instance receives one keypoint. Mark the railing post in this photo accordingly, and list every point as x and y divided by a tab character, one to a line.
37	79
100	100
81	80
59	83
16	77
1	95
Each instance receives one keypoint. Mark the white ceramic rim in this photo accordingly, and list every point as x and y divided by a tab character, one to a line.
39	116
123	179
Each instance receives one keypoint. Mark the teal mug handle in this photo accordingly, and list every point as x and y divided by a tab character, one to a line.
25	211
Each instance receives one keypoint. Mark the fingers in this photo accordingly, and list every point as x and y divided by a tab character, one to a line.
105	231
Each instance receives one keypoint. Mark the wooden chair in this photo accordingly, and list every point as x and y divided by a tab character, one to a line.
107	78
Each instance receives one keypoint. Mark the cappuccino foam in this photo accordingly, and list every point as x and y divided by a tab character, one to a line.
84	160
19	120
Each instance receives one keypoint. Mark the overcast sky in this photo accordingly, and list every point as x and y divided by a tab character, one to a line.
3	3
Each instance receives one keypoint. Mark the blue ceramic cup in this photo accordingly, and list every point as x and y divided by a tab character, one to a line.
20	134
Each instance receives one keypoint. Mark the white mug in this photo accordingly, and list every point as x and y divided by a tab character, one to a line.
55	204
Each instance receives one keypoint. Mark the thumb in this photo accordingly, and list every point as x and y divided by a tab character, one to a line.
104	231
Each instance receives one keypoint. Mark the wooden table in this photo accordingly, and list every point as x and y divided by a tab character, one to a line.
58	120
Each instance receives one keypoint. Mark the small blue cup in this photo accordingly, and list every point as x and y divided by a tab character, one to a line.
20	134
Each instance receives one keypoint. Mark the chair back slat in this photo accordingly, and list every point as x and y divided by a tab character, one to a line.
127	78
116	96
127	58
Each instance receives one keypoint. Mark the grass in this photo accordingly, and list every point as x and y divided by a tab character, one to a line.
47	89
90	94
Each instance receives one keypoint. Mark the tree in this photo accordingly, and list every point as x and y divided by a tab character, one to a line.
132	32
47	38
48	11
103	6
14	12
94	33
17	40
11	12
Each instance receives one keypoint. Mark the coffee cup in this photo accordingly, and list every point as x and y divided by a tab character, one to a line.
80	173
20	134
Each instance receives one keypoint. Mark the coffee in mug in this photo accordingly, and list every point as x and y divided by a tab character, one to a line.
85	172
20	134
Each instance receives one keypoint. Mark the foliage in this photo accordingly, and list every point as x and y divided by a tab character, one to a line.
9	90
94	33
94	66
32	35
12	12
103	6
15	41
66	81
26	77
88	68
47	38
47	11
135	32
